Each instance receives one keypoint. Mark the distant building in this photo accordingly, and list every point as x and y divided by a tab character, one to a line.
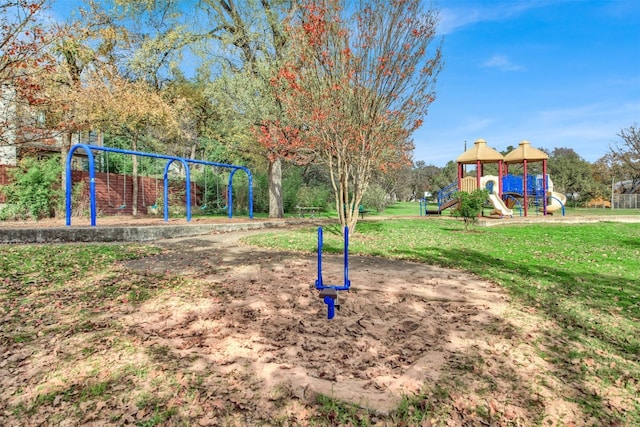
23	131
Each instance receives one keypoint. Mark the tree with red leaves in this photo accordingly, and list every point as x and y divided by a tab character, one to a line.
25	43
361	85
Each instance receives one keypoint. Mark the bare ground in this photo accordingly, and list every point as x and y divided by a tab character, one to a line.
248	342
401	326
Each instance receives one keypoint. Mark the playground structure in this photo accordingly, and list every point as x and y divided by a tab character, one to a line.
88	149
492	184
329	293
506	192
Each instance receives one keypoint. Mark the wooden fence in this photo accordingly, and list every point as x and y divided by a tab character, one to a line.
114	192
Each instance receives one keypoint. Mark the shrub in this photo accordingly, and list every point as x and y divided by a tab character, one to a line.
375	198
313	196
470	206
34	191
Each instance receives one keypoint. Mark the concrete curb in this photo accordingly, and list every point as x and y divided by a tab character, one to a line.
558	220
127	233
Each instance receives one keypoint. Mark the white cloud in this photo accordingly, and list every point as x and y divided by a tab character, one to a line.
501	62
455	18
589	129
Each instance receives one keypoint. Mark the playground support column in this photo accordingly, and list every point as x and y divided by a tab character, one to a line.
500	179
478	173
187	188
346	257
524	187
544	187
230	192
319	283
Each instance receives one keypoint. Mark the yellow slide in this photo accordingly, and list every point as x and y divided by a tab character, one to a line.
494	196
499	205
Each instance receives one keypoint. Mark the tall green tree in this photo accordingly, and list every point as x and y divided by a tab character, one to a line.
626	154
118	106
252	37
571	174
239	45
425	178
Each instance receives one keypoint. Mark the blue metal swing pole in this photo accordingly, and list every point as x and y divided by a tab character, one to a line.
319	284
329	293
347	282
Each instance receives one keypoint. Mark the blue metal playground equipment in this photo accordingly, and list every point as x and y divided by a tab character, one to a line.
515	184
512	188
446	198
170	159
329	293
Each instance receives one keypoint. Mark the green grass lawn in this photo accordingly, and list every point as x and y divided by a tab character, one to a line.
407	209
585	277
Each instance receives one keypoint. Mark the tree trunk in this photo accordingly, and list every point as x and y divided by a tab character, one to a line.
64	151
349	184
276	207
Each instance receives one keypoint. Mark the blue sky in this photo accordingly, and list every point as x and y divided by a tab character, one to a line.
557	73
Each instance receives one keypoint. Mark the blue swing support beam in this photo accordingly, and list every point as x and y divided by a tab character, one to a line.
329	293
88	149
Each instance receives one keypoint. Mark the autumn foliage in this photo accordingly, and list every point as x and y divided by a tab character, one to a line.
283	141
25	60
358	83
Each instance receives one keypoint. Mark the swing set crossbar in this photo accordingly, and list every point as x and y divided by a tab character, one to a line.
88	149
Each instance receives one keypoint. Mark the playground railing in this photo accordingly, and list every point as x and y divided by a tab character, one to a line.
447	193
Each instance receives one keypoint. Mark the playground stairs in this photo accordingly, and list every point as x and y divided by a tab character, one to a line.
446	197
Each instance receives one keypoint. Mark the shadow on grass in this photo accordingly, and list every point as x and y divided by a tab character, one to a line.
575	304
593	291
632	243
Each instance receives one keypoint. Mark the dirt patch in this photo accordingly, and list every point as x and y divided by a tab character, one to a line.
261	333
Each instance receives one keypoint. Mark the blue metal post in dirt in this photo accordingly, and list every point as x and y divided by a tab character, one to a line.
329	293
347	282
319	284
92	184
331	306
